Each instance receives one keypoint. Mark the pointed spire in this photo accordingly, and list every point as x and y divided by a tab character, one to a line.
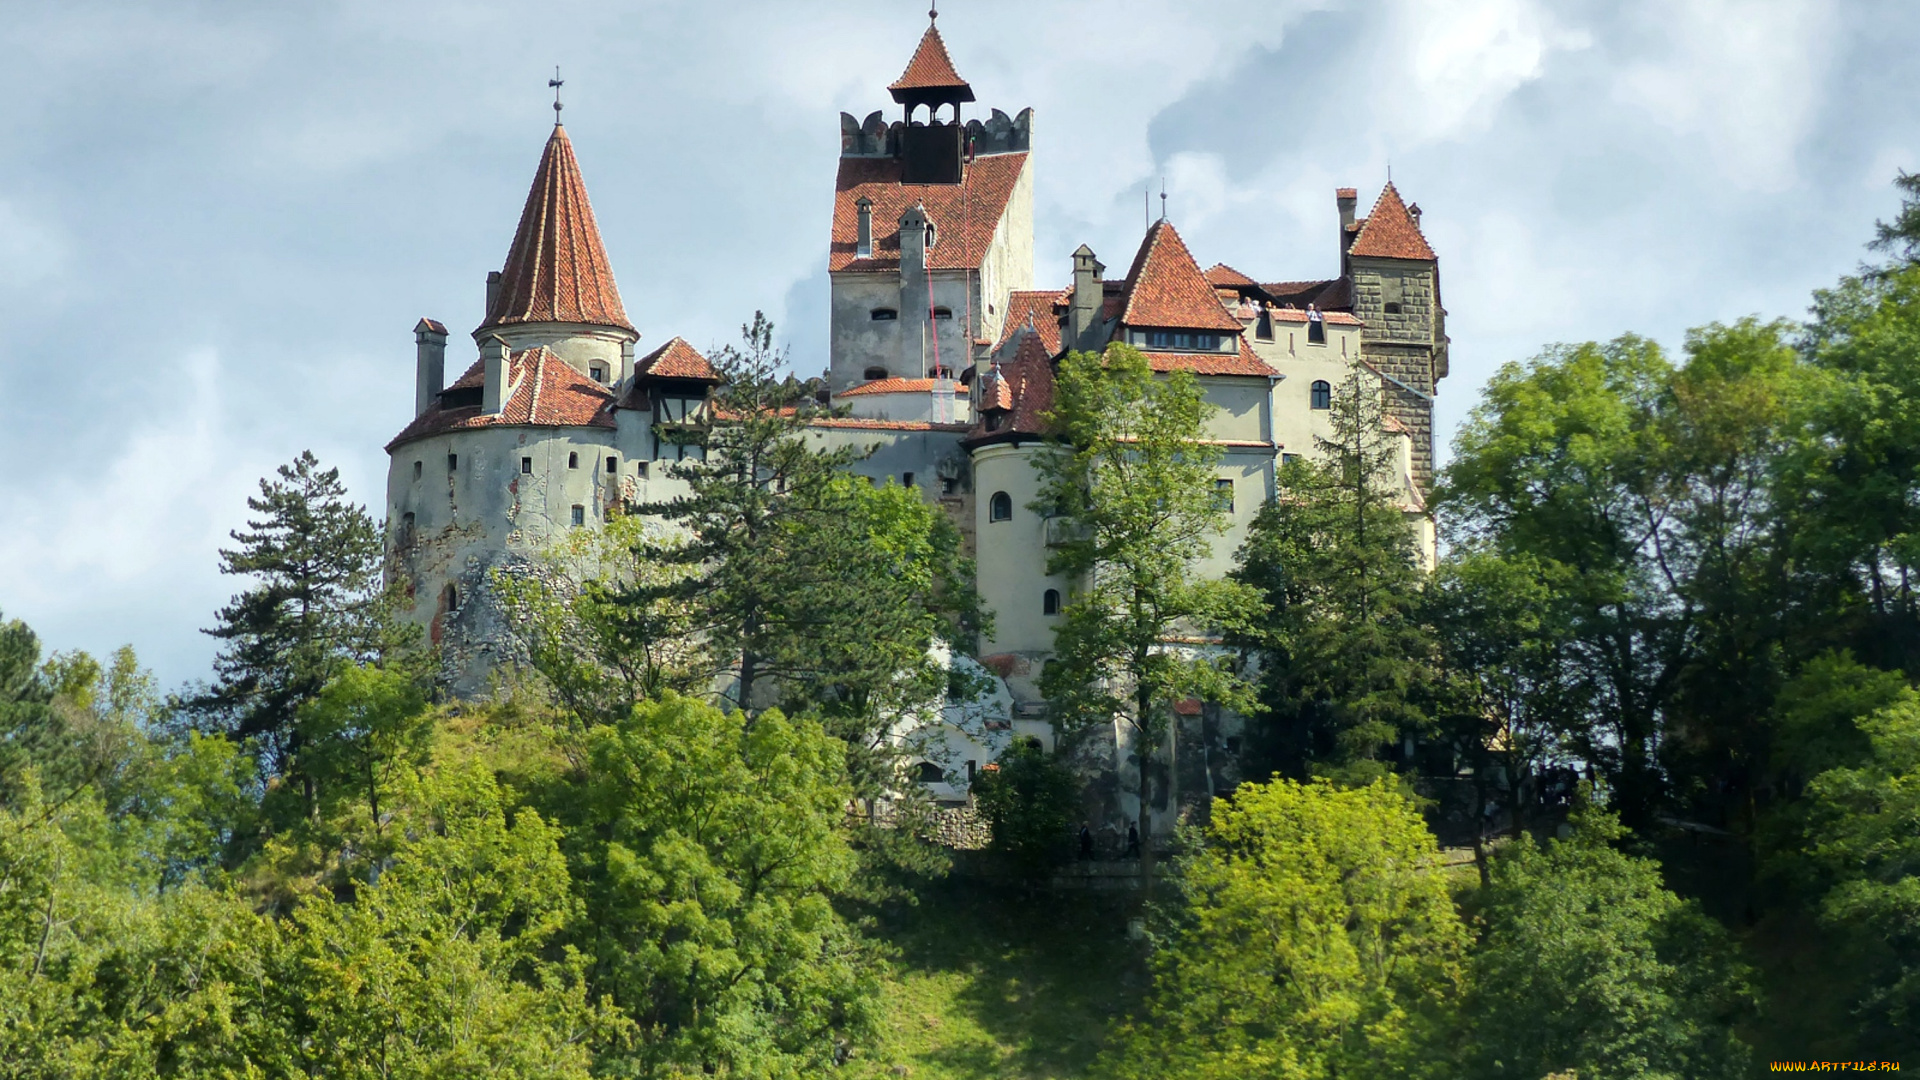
557	268
930	76
1166	288
1390	231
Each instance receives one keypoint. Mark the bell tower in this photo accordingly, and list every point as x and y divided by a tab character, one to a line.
932	151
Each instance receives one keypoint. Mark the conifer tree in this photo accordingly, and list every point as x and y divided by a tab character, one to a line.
316	606
1346	661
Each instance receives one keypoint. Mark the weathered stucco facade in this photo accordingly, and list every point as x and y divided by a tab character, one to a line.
942	357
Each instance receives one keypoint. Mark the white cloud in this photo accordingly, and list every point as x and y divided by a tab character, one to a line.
1447	66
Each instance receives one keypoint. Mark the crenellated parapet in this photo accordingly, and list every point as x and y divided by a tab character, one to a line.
998	134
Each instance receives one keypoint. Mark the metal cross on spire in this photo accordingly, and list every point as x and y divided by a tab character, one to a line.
556	82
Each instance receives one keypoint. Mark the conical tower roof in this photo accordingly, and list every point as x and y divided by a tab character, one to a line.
930	75
557	268
1390	231
1166	288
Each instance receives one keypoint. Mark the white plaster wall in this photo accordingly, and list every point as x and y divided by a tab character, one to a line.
1012	555
578	344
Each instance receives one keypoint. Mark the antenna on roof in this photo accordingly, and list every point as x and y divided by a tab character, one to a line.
556	82
1146	206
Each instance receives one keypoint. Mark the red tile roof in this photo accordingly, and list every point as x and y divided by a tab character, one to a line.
1220	275
1165	287
1029	386
676	360
1243	362
1037	305
996	392
964	215
930	69
893	386
557	269
861	423
432	325
1333	318
1390	231
542	391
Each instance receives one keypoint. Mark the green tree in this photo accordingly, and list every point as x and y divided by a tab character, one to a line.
1588	964
1860	827
1028	799
1129	476
1346	659
807	587
709	852
367	727
1318	939
316	607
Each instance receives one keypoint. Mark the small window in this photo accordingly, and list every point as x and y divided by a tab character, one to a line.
599	372
1393	307
929	773
573	461
932	237
906	479
1316	330
883	314
1223	495
526	466
1288	459
874	373
942	313
1321	394
579	515
640	469
1000	507
406	530
1050	602
451	598
613	465
1264	328
453	462
1159	339
416	470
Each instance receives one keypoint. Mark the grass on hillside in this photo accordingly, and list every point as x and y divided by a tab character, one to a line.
994	983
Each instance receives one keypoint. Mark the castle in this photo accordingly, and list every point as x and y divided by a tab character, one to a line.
942	353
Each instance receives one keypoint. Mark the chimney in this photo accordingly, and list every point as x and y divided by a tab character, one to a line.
493	290
916	320
626	362
429	363
1346	199
493	396
864	246
1083	310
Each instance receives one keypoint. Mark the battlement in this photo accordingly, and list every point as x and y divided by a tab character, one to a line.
875	137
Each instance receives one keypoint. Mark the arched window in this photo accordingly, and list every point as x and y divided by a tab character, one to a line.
1000	507
599	372
416	470
451	598
573	461
1321	393
929	773
874	373
406	529
1050	602
883	314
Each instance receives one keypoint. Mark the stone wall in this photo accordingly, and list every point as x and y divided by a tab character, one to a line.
1402	344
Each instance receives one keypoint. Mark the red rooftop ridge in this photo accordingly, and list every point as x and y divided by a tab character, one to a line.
1390	231
557	268
1165	287
930	69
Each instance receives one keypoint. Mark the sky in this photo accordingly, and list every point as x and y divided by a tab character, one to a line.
219	221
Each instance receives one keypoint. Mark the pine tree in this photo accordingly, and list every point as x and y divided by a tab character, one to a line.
316	607
1346	660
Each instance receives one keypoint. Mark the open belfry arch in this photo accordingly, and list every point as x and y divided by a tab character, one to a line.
942	351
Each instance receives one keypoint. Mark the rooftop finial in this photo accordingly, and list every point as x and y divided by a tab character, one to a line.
1163	198
556	82
933	10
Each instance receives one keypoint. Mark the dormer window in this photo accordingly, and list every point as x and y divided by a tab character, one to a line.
863	244
1183	340
883	314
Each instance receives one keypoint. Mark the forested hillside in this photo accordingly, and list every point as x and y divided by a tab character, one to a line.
1666	651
